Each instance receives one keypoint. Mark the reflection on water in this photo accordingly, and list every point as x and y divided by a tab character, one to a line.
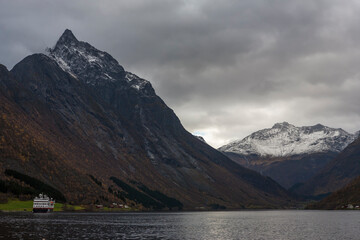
252	225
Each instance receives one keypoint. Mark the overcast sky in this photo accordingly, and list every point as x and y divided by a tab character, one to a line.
227	68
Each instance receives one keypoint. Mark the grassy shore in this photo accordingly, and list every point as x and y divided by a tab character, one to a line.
15	205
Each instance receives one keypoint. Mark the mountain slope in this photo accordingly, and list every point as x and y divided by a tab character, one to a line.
26	146
350	194
287	171
289	154
104	122
336	174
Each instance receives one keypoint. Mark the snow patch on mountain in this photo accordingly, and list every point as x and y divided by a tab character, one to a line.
135	81
284	139
130	76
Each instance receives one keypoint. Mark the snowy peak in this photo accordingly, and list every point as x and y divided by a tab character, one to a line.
85	62
284	139
92	66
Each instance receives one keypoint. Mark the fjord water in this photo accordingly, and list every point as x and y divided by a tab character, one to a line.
252	225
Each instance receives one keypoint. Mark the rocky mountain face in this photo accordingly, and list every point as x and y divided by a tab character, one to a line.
77	121
287	153
336	174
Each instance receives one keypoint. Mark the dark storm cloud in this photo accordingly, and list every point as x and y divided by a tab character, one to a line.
227	68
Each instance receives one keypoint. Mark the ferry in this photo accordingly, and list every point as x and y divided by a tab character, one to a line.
43	204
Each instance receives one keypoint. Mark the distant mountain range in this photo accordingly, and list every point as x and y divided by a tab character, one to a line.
76	122
287	153
284	139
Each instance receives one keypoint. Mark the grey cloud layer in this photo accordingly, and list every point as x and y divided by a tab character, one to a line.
227	68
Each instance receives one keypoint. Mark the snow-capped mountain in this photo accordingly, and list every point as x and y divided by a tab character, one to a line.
92	66
284	139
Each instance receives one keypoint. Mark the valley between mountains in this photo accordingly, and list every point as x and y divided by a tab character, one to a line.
75	124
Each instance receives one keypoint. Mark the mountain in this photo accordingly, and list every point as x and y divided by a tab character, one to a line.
350	194
77	122
287	153
336	174
284	139
200	138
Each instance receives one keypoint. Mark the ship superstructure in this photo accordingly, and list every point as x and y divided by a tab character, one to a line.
43	204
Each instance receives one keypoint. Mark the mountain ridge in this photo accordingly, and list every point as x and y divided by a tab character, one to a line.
284	139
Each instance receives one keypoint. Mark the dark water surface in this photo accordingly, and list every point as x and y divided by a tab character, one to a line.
267	225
